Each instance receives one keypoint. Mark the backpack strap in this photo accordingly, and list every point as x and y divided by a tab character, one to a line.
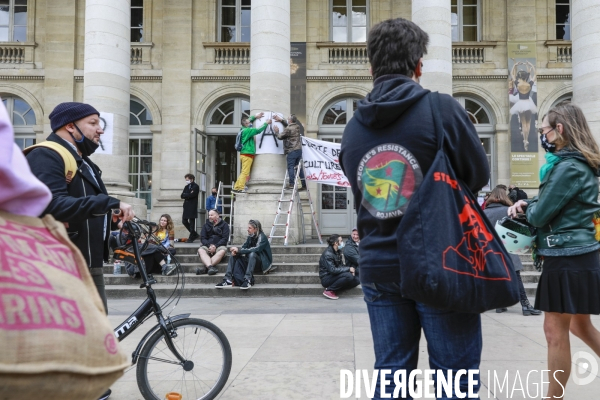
69	160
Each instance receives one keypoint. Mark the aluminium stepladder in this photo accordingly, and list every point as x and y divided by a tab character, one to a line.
289	197
227	203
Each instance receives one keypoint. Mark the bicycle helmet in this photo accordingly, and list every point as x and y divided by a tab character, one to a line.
518	236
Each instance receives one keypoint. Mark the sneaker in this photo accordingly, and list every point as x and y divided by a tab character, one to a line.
330	294
270	269
246	285
289	187
223	284
106	395
201	270
169	269
212	270
238	191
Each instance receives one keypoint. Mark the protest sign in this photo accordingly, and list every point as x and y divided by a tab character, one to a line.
322	163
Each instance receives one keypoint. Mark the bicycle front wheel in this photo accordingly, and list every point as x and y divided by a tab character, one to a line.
201	342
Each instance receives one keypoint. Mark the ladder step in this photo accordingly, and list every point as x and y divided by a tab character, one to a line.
276	237
279	224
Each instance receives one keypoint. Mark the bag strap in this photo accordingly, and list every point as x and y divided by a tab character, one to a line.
69	160
434	100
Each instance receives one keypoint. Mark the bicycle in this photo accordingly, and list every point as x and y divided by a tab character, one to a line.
196	351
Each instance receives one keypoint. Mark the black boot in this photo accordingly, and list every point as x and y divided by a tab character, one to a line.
528	308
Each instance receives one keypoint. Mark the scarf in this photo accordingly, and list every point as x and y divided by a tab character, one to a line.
551	160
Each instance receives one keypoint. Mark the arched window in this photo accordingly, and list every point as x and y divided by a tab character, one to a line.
566	97
226	117
23	119
336	115
140	151
481	117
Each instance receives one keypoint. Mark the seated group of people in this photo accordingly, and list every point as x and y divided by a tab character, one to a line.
337	275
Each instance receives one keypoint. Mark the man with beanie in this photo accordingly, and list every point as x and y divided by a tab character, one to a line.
83	203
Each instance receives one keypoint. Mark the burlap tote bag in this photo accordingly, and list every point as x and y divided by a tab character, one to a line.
55	339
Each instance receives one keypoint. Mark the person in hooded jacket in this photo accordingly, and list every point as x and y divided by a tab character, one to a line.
335	276
562	212
351	251
496	208
393	130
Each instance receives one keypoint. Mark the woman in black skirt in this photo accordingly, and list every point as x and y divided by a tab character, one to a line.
569	287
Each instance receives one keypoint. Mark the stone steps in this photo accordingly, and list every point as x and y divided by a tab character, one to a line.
276	278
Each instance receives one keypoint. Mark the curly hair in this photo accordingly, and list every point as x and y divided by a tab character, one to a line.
170	225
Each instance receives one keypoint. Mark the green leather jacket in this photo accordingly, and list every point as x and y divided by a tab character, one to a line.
564	207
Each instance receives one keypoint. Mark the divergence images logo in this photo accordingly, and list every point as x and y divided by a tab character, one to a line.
388	176
586	368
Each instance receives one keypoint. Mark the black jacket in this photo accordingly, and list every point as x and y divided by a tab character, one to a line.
190	202
351	253
331	263
215	234
398	111
82	204
517	194
495	212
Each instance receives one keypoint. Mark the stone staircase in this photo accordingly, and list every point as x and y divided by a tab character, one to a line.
297	274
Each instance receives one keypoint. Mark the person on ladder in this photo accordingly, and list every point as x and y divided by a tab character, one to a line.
248	150
292	147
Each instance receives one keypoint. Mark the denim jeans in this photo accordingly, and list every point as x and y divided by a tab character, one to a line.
453	339
252	260
293	159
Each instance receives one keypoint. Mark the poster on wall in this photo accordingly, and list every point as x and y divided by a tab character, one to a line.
523	115
298	81
106	139
267	142
322	162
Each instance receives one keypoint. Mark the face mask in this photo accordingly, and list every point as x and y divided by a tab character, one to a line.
187	182
341	246
86	146
549	147
214	194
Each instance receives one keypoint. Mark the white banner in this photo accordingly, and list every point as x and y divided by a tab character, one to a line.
267	142
322	163
106	139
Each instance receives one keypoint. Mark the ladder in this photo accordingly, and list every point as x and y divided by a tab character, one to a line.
227	203
294	197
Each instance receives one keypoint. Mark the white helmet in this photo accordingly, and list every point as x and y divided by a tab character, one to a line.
518	237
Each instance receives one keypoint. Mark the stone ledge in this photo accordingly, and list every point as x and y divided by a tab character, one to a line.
220	78
559	77
21	77
339	78
479	77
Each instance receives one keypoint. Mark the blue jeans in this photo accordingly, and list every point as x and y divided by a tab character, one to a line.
453	339
293	159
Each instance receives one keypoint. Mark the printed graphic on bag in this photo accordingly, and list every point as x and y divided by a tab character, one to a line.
388	176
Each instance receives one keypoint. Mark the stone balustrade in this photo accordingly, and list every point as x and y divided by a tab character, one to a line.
228	53
559	52
468	55
344	53
140	53
16	53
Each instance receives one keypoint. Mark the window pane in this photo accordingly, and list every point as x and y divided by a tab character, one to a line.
360	3
228	34
137	35
20	106
133	147
339	16
469	2
146	147
470	33
245	34
359	34
20	34
30	117
4	15
228	2
137	17
17	119
146	118
246	3
246	107
228	120
145	182
20	15
20	2
137	3
133	119
340	34
147	197
326	188
246	17
359	16
341	202
339	3
327	201
341	119
469	15
454	3
20	143
563	32
228	16
482	117
562	13
329	118
133	164
133	180
135	107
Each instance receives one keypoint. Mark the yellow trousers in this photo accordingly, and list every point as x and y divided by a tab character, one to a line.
245	172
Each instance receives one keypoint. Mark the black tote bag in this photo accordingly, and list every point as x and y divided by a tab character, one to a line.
450	255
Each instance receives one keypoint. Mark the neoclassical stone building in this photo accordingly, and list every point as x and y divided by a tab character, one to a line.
178	75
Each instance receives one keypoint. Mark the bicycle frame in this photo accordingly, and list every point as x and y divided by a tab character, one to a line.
148	307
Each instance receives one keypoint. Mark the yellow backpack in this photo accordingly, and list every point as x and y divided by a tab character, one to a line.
70	163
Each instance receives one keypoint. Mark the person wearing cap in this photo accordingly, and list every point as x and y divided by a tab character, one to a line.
350	251
83	203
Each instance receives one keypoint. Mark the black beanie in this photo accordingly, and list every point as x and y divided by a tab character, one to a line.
65	113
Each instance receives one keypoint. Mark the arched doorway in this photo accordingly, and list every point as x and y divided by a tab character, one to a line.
337	208
222	125
481	117
22	118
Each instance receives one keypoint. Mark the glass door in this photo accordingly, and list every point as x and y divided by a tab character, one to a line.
200	173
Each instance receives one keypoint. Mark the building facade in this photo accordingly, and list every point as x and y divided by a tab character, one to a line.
178	75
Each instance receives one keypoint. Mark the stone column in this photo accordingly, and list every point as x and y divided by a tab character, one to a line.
269	91
106	75
585	31
433	16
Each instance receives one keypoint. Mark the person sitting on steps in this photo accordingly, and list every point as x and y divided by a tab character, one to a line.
335	276
256	251
214	237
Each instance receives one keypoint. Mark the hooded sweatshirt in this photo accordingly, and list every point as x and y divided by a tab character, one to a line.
398	113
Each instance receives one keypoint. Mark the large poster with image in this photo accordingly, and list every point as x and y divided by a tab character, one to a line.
267	142
522	95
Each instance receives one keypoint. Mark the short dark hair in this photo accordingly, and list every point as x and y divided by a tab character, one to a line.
333	239
395	46
293	118
190	176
